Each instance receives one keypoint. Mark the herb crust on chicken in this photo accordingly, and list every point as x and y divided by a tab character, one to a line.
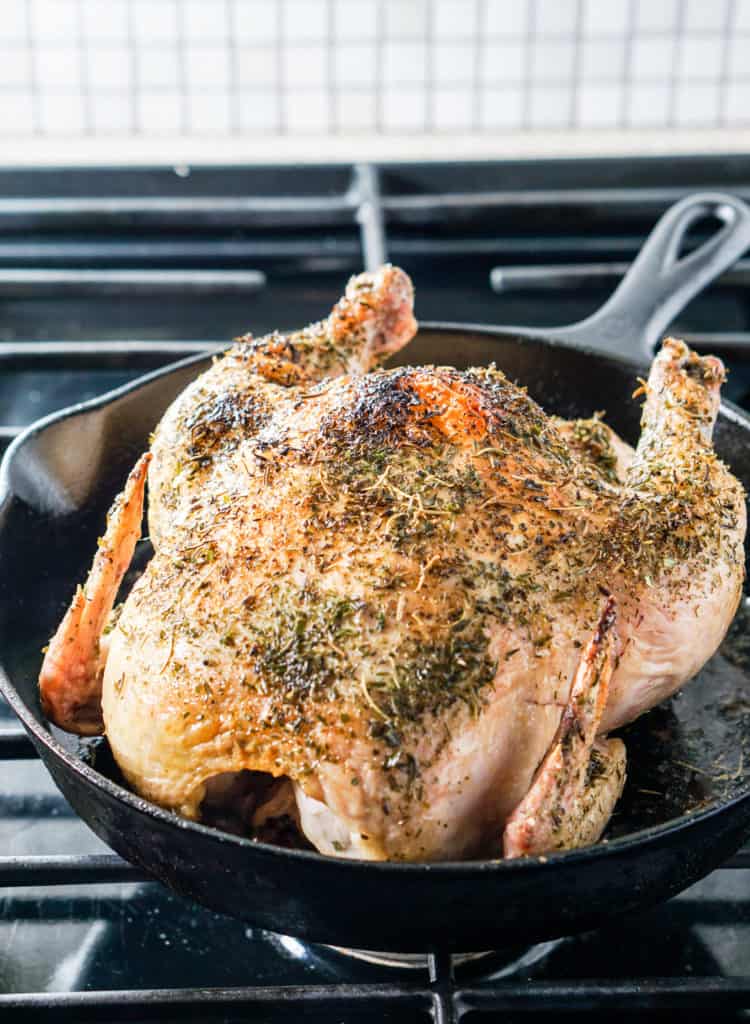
401	609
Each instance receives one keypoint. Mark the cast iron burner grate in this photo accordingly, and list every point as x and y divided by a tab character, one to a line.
175	262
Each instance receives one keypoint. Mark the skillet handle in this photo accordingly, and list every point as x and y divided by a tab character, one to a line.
660	283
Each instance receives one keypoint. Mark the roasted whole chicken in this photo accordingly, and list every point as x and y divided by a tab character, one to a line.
395	614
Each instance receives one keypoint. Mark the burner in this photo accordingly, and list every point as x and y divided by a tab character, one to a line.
406	961
343	962
488	964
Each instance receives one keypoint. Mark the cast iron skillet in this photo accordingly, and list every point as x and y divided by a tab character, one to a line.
687	803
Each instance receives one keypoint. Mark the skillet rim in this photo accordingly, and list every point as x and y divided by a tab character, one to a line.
644	838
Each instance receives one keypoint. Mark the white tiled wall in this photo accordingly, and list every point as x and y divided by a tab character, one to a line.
127	68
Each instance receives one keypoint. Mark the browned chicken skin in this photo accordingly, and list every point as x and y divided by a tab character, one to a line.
398	592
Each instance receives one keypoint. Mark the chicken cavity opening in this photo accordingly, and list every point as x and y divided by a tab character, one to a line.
254	804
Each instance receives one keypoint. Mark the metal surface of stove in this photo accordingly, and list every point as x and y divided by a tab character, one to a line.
105	274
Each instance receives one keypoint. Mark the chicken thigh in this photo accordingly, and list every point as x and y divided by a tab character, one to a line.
403	607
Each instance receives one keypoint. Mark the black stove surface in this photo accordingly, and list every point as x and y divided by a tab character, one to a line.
280	244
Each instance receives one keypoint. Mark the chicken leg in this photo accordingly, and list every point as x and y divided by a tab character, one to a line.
676	539
581	778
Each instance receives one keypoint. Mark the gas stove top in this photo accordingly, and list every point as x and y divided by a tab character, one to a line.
106	274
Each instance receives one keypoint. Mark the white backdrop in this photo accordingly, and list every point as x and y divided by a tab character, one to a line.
258	69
